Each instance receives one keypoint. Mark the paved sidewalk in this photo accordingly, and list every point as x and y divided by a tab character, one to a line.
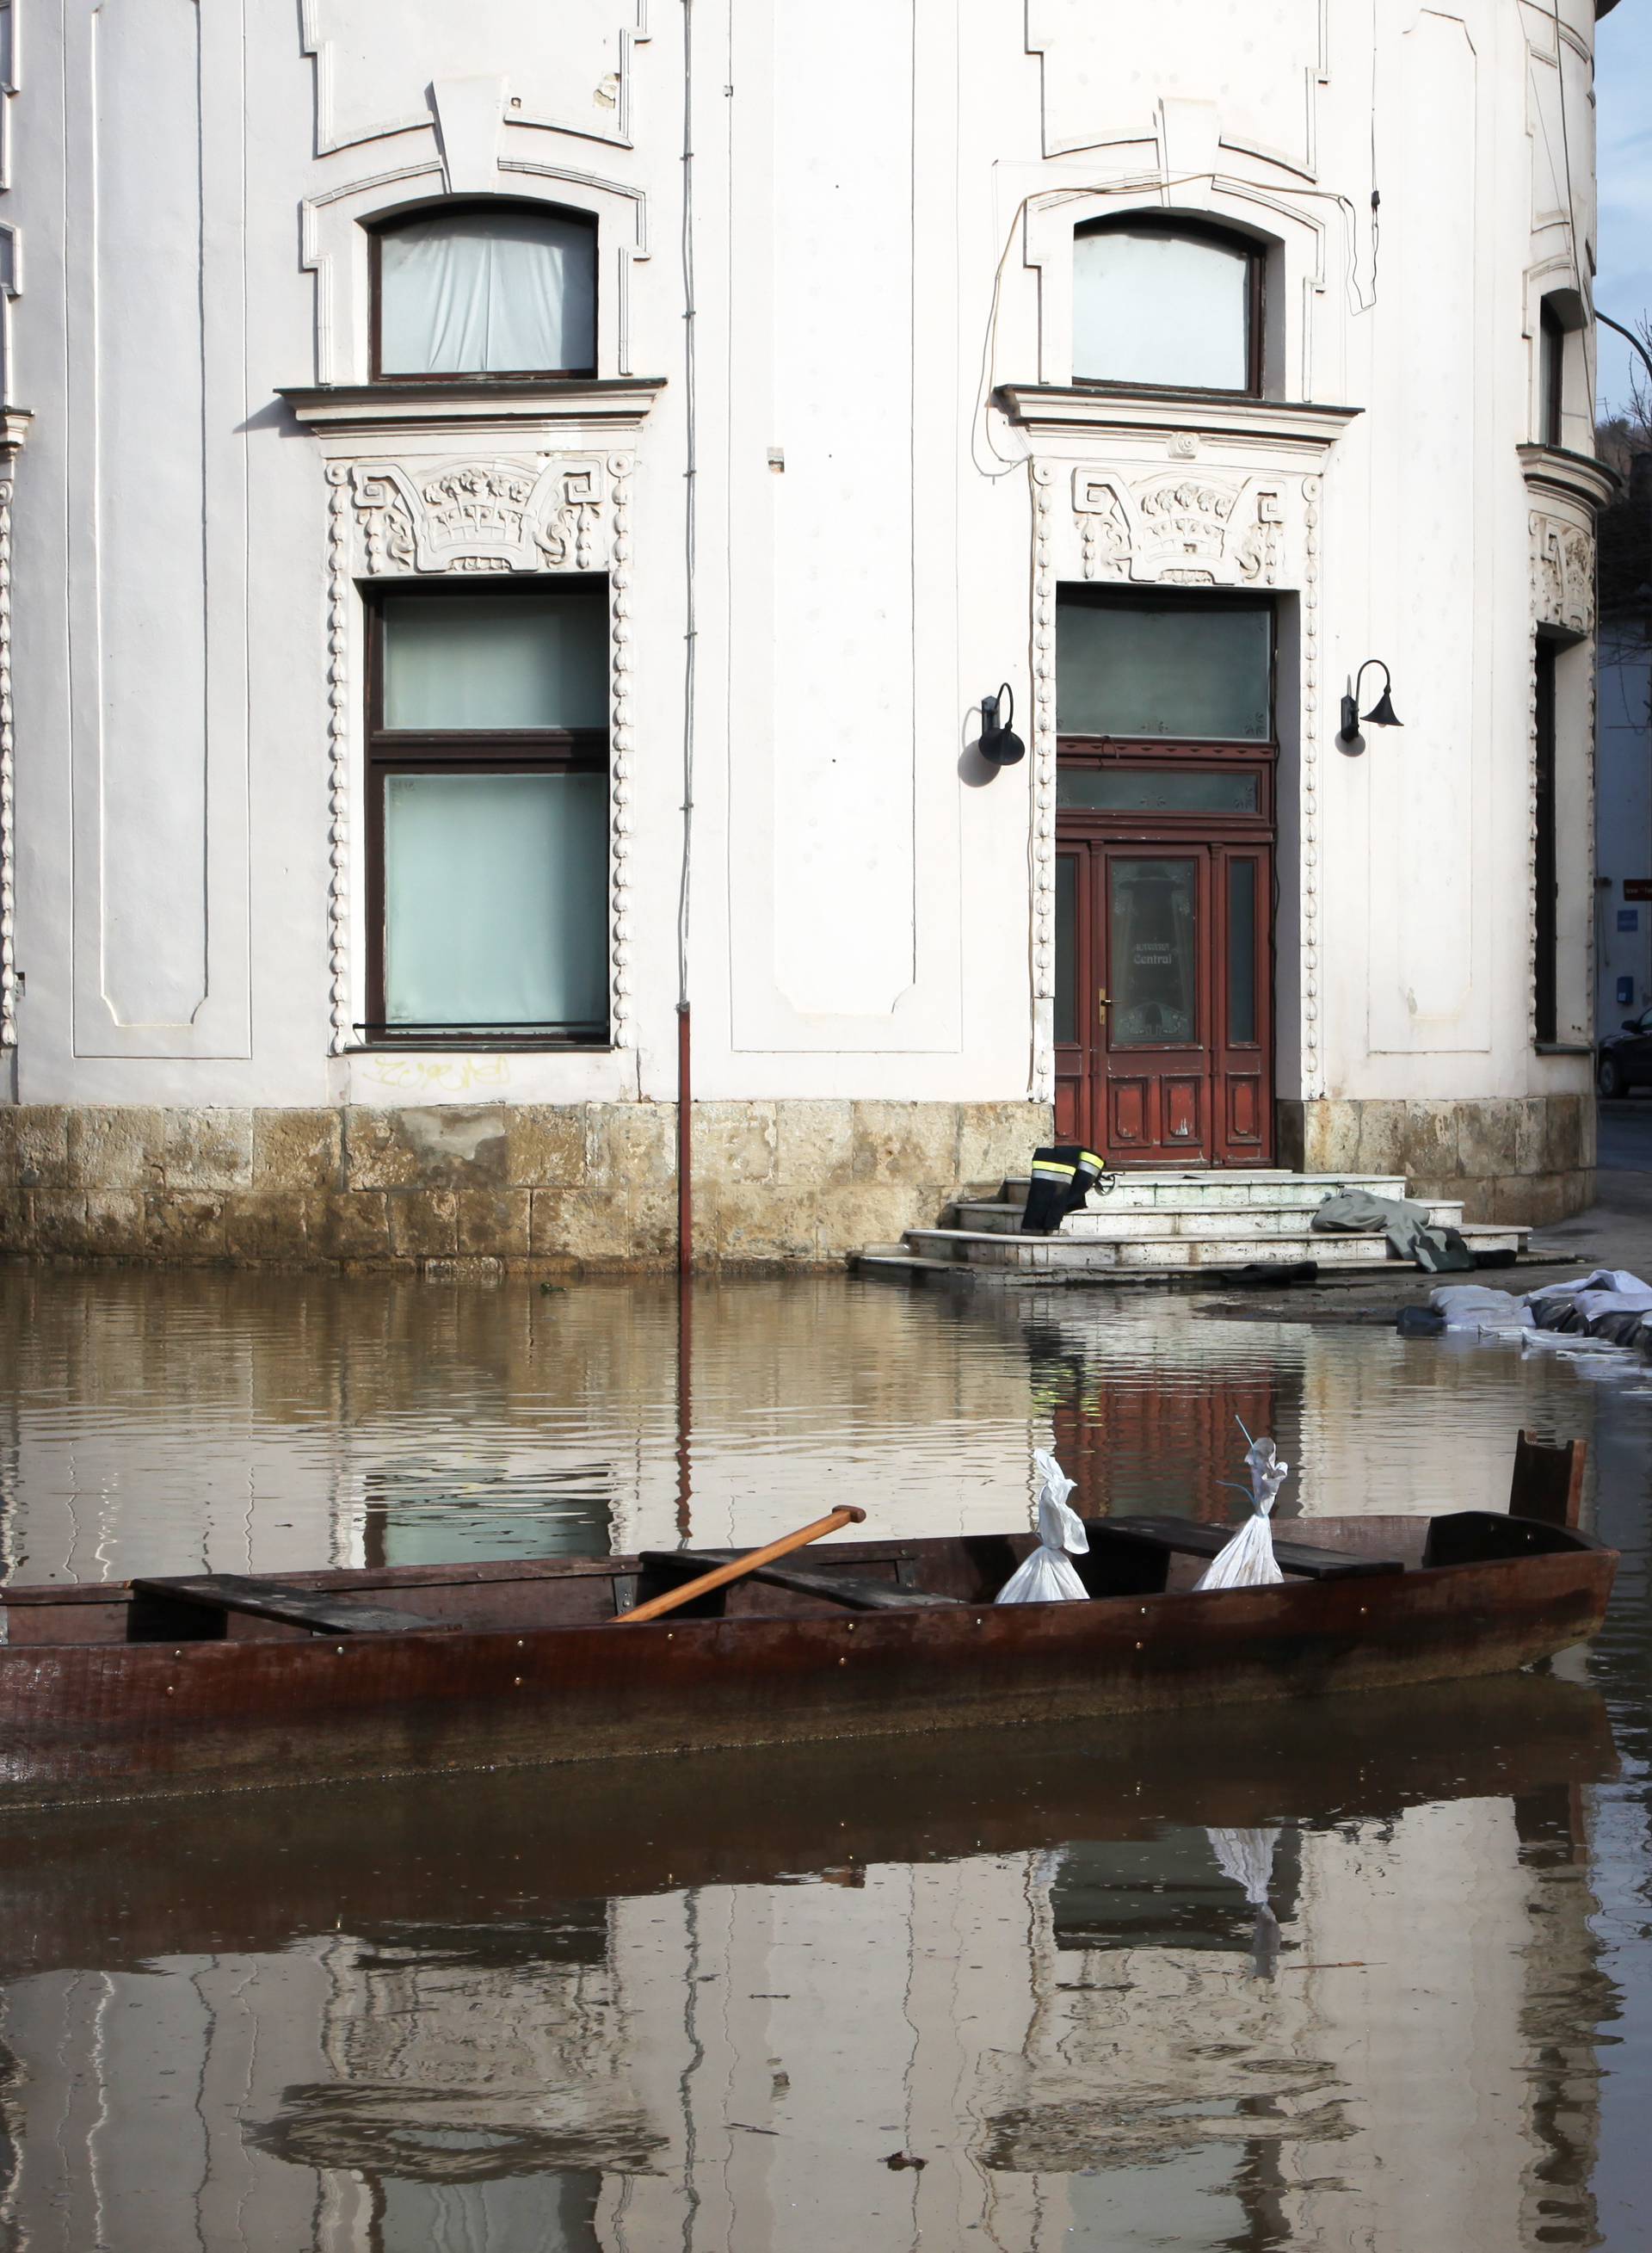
1616	1231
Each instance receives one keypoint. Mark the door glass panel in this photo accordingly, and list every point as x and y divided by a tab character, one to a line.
1241	951
1146	666
1141	790
1153	953
1066	947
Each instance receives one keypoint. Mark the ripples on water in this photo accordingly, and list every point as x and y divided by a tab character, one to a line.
710	2004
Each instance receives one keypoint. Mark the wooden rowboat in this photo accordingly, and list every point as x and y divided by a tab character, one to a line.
216	1681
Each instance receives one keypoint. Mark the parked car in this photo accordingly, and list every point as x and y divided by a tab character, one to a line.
1624	1059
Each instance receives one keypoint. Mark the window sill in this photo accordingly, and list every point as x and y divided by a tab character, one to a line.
429	1047
608	402
1564	1048
1050	408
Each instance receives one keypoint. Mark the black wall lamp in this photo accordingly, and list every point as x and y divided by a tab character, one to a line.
1381	713
999	742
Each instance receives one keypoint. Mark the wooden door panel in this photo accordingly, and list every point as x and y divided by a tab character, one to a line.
1182	1110
1128	1111
1244	1091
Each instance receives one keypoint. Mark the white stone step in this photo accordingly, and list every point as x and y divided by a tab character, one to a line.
1103	1219
1167	1254
1215	1191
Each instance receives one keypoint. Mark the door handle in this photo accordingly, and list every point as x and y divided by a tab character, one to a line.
1101	1006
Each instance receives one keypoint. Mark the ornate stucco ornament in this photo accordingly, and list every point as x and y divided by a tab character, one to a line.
491	515
1178	529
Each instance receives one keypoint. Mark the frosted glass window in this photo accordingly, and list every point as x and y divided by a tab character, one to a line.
1151	306
1194	671
492	662
492	292
496	900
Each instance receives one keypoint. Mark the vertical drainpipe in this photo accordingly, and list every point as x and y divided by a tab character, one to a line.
685	1085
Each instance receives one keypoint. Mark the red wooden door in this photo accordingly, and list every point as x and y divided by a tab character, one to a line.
1162	1033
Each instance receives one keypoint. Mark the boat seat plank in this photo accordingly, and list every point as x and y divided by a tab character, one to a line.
1187	1536
324	1613
856	1594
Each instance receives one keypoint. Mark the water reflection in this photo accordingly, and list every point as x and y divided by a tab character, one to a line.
566	2010
159	1422
1015	1991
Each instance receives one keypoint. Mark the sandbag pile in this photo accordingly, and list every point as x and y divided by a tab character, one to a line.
1600	1316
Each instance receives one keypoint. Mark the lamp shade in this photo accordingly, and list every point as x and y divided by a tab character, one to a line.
1383	714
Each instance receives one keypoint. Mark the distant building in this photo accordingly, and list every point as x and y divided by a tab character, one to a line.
381	382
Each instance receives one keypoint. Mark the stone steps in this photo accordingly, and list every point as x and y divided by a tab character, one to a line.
1104	1222
1215	1192
1161	1224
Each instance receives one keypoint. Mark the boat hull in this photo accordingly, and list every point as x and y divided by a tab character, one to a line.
92	1720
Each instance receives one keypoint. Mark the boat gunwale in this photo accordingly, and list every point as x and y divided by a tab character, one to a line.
1576	1546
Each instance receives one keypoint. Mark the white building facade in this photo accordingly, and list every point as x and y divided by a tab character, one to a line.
513	514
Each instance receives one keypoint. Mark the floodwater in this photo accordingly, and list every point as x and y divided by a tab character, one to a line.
1002	1990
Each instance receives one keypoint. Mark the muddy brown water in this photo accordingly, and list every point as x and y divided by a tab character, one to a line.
992	1989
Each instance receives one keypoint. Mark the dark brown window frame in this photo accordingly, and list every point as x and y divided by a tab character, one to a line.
386	223
1203	230
1552	376
506	751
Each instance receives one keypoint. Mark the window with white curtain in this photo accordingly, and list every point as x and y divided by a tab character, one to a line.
498	288
1166	303
488	815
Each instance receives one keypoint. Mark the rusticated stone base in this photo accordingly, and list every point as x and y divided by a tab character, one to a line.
1522	1158
466	1192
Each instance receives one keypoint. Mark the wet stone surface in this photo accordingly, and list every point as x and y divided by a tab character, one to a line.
995	1990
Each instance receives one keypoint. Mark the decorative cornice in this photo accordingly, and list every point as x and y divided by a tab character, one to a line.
14	428
1554	474
607	404
1048	408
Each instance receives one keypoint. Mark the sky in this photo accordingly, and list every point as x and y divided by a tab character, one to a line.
1623	127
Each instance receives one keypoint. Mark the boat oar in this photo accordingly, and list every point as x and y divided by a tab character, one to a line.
848	1514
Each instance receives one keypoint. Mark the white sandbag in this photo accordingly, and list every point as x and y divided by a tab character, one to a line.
1248	1560
1047	1577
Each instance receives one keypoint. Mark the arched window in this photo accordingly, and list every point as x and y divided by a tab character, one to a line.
1166	301
485	289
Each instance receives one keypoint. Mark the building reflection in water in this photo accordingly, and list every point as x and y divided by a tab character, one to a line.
154	1422
551	2011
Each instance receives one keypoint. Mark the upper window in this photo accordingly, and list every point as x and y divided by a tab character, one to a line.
1198	668
494	288
1166	302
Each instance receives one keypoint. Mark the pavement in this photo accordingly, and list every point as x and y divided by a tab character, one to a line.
1616	1231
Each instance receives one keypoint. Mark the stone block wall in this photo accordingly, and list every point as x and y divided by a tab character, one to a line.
1525	1158
461	1189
